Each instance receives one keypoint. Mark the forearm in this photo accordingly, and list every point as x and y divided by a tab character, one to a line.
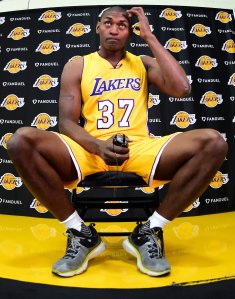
79	135
166	61
102	148
166	74
173	74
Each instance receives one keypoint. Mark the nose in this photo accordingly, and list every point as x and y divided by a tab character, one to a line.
114	30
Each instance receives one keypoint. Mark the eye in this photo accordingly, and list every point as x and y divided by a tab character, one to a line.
122	26
107	23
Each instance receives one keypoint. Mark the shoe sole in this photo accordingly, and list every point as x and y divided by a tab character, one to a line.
133	251
94	253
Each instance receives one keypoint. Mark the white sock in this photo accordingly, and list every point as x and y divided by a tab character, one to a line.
156	220
73	221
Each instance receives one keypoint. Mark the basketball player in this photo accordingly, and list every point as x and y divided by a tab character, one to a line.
109	89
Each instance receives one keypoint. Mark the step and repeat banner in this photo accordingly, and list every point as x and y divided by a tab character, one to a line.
35	45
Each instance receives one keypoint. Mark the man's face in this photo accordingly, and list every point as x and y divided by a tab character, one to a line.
114	30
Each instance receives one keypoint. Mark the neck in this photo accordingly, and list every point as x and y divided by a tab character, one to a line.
111	56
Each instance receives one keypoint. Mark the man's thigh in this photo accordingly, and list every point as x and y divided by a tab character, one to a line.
145	155
179	150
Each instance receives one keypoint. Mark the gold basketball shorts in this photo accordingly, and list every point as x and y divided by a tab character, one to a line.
144	157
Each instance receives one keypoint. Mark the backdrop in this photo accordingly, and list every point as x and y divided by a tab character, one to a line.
36	44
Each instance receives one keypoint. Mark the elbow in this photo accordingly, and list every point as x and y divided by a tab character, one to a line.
183	90
179	88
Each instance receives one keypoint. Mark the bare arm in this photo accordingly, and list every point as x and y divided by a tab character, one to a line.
70	103
164	72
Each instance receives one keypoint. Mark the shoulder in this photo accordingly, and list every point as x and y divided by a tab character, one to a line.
132	56
73	69
78	63
135	59
74	64
146	60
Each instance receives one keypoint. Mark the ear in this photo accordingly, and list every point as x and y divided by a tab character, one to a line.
97	27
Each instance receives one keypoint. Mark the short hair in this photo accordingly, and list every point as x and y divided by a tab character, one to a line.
115	8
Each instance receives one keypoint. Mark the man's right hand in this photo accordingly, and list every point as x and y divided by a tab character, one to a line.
113	155
143	27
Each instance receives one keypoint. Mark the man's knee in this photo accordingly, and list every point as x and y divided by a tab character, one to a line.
215	143
18	140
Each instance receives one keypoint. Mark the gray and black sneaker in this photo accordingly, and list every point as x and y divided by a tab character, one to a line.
81	247
148	247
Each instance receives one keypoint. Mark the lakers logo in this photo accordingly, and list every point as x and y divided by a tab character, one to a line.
200	30
206	62
11	102
14	66
194	205
219	180
114	212
78	29
229	46
5	139
81	189
223	17
2	20
224	136
18	33
186	231
9	182
182	119
151	135
38	206
175	45
44	121
43	232
232	80
147	190
11	248
50	16
190	80
48	47
153	100
170	14
46	82
74	57
111	240
211	99
136	28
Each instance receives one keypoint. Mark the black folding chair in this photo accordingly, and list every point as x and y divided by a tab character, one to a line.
110	190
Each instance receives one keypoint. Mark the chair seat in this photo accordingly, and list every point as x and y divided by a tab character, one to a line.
114	191
113	179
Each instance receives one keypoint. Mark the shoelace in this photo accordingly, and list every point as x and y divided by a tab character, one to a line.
154	246
154	243
73	245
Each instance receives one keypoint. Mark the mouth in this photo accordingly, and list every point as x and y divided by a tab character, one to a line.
112	40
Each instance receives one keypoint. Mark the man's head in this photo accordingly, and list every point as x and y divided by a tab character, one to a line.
114	28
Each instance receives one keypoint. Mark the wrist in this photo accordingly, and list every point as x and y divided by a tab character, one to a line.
151	39
97	146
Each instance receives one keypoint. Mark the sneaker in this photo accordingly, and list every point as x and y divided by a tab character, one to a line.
148	248
80	249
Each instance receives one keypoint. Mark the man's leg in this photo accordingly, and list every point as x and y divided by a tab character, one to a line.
190	160
44	163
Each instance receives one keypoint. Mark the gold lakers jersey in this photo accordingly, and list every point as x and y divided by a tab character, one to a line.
115	99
